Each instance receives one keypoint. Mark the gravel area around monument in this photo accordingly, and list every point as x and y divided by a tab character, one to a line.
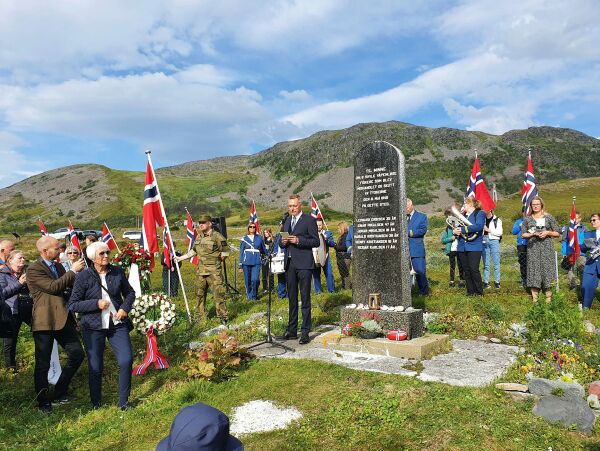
471	363
261	416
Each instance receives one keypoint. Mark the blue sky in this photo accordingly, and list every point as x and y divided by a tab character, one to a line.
99	82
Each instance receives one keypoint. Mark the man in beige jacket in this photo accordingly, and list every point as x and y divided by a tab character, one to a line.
47	282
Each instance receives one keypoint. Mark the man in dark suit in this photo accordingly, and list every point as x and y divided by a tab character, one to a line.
417	228
47	282
591	270
299	263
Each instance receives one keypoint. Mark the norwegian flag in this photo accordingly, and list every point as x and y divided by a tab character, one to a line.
477	189
167	246
192	235
529	190
152	211
573	250
254	217
108	238
73	237
42	228
315	211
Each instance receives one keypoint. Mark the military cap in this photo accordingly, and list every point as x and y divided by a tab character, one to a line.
204	218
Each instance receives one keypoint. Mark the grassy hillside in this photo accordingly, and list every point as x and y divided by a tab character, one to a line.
438	163
558	199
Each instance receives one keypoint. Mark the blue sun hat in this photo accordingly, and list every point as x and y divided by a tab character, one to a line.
200	427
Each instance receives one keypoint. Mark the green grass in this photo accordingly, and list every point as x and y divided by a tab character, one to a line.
343	408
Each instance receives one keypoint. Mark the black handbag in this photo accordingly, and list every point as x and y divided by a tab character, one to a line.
25	307
6	324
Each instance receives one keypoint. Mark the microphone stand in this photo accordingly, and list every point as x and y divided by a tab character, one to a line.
269	338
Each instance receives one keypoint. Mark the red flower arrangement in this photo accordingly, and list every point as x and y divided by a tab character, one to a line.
133	253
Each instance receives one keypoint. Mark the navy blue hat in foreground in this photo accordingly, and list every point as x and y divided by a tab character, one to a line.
200	427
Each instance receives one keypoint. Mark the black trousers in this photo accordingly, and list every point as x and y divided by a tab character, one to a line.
470	261
68	339
522	256
344	263
266	275
453	257
10	343
298	278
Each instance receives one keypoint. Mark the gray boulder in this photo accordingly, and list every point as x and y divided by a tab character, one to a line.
544	387
566	412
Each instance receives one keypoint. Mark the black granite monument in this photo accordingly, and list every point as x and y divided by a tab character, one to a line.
380	256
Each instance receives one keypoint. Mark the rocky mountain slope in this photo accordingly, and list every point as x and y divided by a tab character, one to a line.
438	164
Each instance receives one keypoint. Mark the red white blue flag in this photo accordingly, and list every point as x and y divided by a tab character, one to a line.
192	235
42	228
73	237
108	238
152	211
167	246
477	189
315	211
254	217
529	189
573	250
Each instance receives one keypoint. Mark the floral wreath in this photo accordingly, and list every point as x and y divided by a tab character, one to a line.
146	306
133	253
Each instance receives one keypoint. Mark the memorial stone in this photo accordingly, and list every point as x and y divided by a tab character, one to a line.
380	255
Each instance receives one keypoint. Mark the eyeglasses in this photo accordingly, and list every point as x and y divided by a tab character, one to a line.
104	253
72	253
252	227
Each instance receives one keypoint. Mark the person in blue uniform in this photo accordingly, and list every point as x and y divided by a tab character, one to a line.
470	246
251	250
327	237
417	228
591	270
521	248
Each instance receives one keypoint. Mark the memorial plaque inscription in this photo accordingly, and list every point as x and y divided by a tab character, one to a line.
380	250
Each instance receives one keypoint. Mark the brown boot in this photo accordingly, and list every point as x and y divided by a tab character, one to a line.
548	294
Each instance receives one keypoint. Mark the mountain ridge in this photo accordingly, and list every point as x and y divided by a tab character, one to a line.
438	163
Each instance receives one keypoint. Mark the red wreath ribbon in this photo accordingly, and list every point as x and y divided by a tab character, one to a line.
152	355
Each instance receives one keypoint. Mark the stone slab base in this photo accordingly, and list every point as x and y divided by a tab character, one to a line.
411	321
419	348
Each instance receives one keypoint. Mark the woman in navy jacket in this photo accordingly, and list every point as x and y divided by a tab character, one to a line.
470	249
103	297
251	249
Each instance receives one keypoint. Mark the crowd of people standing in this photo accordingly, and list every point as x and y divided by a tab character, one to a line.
65	296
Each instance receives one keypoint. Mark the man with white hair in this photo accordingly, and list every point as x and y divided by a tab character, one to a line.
47	282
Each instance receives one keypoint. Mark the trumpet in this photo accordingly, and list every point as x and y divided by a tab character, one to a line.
457	219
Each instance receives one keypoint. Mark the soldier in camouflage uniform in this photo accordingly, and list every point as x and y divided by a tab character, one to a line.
211	248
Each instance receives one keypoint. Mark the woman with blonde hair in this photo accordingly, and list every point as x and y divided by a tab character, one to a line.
539	228
14	292
470	246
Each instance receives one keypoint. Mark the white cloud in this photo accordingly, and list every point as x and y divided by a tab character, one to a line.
16	165
299	95
505	52
169	113
492	119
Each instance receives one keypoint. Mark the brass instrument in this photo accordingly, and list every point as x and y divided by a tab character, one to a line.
457	219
